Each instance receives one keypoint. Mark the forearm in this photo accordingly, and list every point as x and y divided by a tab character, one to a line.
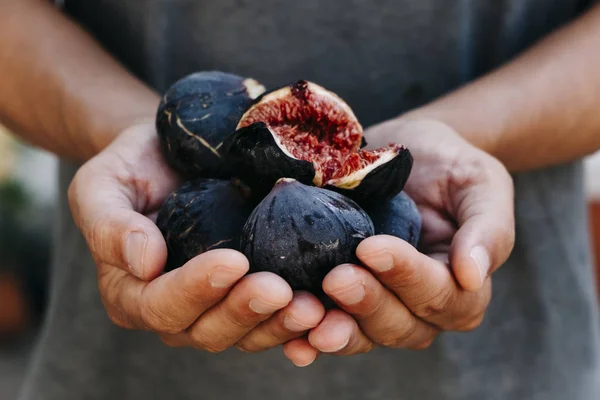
541	109
60	90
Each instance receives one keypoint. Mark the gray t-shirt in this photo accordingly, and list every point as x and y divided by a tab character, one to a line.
540	338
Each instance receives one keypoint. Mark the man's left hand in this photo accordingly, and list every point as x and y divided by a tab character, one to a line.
404	297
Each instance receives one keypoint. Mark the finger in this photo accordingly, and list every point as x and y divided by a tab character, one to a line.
339	334
173	301
253	300
485	215
379	313
302	314
300	352
107	196
425	285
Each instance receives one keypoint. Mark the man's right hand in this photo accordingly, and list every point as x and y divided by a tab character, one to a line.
209	303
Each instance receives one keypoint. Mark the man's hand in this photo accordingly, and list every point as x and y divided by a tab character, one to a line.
404	297
208	303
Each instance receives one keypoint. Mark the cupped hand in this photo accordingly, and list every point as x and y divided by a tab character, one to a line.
209	303
403	297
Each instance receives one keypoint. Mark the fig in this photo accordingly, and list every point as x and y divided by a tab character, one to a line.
305	132
397	217
300	232
201	215
196	114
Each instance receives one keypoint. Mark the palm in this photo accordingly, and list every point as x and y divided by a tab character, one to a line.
140	166
446	169
430	187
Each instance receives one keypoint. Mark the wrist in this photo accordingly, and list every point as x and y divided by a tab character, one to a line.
92	128
107	134
470	127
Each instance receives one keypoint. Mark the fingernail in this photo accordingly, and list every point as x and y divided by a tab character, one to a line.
135	246
353	290
336	349
222	277
380	262
262	307
482	259
290	323
305	364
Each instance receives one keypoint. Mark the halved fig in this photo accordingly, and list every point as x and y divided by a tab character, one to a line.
373	175
308	133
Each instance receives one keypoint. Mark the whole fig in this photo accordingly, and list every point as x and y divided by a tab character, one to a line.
398	217
196	114
301	232
202	215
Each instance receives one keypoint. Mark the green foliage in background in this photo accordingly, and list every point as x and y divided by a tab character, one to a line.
13	197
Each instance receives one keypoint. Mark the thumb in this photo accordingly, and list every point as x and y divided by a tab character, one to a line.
107	197
486	234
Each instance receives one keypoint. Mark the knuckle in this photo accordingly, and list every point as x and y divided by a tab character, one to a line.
404	278
248	346
280	333
96	235
398	339
202	341
468	171
438	304
158	321
108	287
109	295
360	348
374	310
186	295
240	319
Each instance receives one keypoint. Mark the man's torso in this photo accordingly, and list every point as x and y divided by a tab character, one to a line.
540	337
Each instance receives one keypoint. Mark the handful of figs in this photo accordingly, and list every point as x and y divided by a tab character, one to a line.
280	175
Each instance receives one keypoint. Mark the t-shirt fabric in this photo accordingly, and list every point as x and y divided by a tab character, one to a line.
540	339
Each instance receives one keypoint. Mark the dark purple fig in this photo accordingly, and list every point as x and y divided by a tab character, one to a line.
202	215
398	217
301	232
196	114
305	132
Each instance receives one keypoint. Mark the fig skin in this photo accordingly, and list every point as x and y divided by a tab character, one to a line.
196	114
301	232
201	215
397	217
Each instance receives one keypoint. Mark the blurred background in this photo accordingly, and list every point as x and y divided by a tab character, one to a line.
27	199
27	194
